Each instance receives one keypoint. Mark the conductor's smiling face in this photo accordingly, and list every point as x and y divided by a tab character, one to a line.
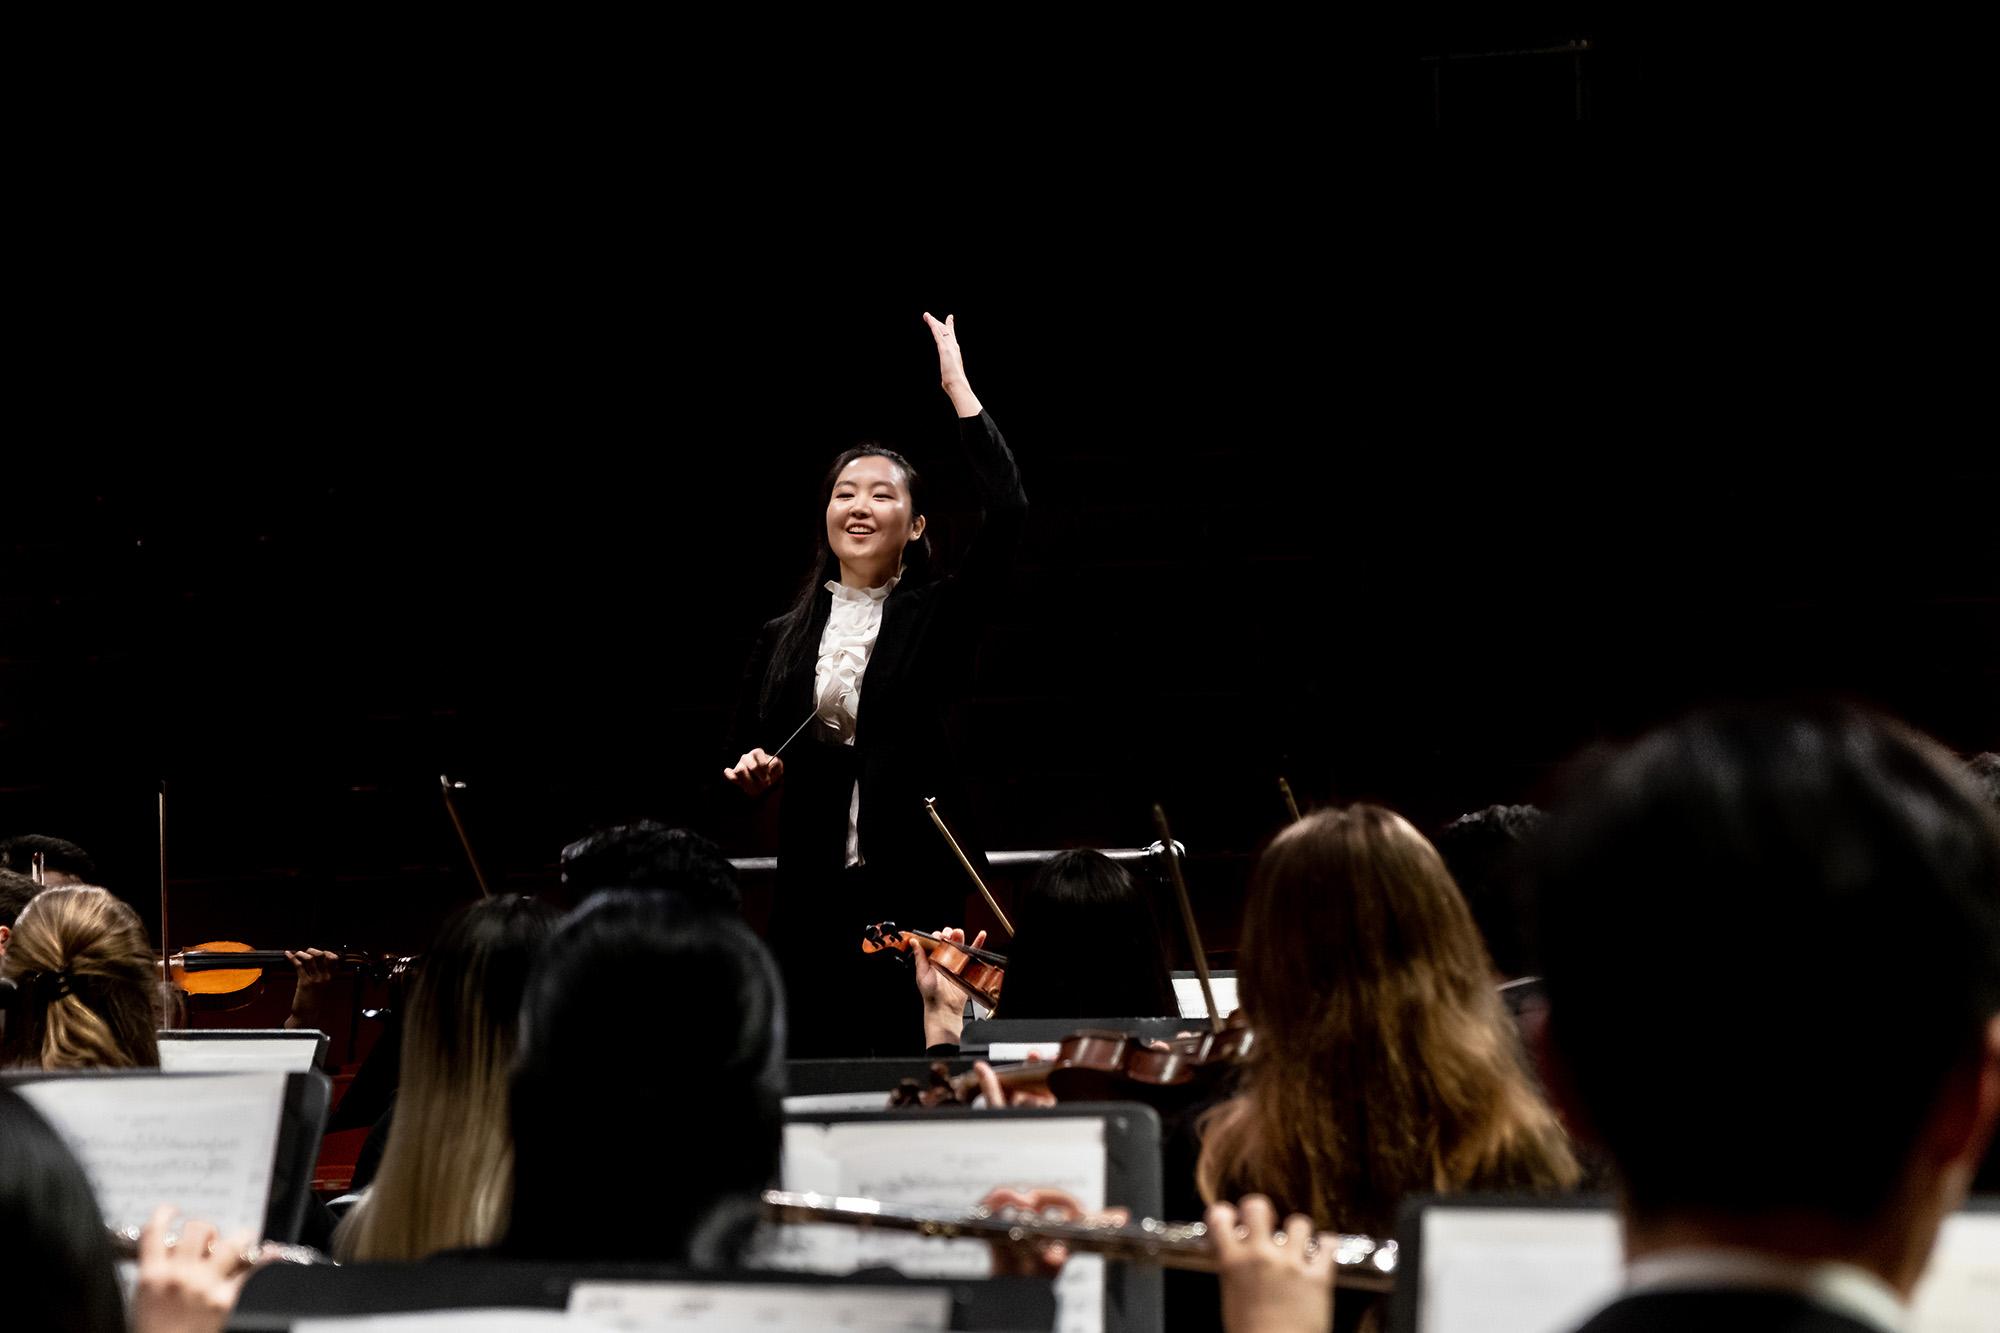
868	519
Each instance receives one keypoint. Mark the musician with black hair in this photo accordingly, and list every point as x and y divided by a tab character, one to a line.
1772	946
63	862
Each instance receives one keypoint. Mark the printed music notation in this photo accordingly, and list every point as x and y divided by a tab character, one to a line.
204	1144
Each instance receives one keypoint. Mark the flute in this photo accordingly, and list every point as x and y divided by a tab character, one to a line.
125	1245
1362	1263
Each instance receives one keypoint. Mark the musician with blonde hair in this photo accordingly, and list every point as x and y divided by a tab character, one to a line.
90	991
447	1170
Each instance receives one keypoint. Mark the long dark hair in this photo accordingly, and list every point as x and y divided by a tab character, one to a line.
796	623
50	1231
1087	945
1385	1065
647	1023
443	1184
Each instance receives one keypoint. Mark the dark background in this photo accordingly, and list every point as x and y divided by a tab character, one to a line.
1403	478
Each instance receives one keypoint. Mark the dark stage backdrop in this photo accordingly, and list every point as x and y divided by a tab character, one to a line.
1400	523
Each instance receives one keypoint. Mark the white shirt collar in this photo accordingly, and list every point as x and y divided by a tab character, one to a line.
844	593
1844	1288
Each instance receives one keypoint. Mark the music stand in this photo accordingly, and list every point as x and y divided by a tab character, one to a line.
280	1294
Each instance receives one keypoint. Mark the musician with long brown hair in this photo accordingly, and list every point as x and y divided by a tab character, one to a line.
90	992
1384	1063
853	684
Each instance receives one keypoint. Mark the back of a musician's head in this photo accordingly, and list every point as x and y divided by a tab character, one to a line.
89	986
444	1179
1771	939
15	891
649	1027
61	1270
647	854
1087	944
1385	1063
63	862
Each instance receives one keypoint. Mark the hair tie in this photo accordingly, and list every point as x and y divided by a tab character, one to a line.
53	986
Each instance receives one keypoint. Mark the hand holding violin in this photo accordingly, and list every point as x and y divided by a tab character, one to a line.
314	968
944	1002
998	1096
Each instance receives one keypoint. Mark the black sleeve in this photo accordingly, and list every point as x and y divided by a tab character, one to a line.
1003	505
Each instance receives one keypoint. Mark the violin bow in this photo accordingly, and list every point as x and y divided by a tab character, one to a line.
1171	851
1291	806
930	807
447	786
166	954
38	869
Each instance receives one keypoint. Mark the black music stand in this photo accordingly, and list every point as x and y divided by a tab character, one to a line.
811	1078
278	1295
982	1033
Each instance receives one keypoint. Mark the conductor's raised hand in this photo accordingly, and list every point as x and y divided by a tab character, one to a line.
755	773
951	364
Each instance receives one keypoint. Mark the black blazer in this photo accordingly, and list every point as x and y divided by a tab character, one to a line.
920	666
1720	1310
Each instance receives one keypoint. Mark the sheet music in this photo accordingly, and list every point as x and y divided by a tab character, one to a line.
1516	1270
1188	991
1015	1052
947	1164
181	1055
749	1305
1529	1270
204	1144
1960	1291
838	1101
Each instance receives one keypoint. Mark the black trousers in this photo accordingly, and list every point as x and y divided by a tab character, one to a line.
840	1001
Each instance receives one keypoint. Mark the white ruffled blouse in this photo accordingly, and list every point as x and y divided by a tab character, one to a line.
844	647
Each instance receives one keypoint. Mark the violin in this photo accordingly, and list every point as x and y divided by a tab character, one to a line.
979	971
1102	1066
224	967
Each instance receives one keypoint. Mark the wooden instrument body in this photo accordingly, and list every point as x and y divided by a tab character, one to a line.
976	971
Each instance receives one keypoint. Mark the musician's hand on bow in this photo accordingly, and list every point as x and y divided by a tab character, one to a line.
944	999
997	1096
1045	1259
1269	1281
190	1285
755	773
951	365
